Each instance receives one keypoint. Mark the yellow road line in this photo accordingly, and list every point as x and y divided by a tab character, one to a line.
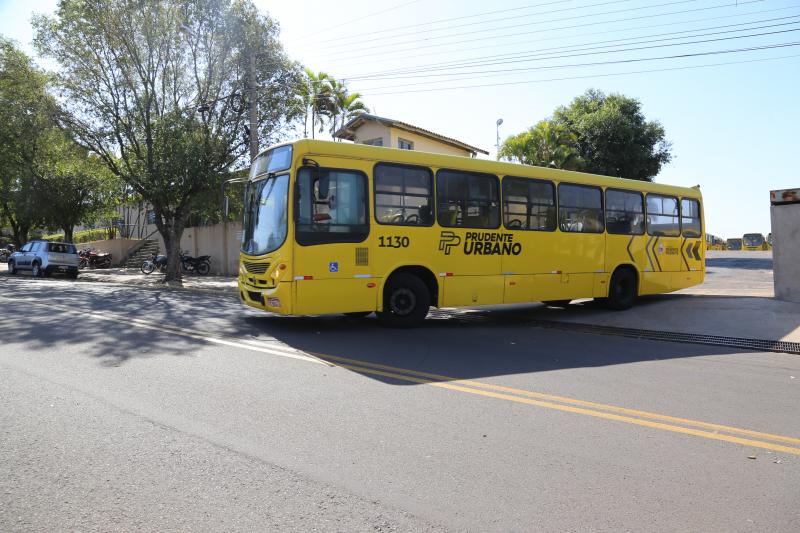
501	392
563	399
580	410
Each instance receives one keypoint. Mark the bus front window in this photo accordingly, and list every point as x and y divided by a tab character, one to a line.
753	239
265	215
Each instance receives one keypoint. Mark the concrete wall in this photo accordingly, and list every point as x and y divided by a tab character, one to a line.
786	251
118	248
210	240
373	130
424	144
391	137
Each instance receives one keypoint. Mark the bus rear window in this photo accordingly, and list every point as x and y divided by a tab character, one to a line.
690	218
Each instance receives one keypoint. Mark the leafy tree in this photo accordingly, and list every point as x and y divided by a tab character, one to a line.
74	187
26	114
545	145
156	90
613	137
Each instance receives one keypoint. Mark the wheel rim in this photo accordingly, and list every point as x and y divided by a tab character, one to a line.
402	302
35	271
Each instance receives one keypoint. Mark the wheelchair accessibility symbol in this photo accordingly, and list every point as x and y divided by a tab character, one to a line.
333	267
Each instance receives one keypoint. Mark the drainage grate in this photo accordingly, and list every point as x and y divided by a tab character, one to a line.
671	336
762	345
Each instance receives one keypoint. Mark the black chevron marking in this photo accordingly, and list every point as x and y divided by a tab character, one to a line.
655	255
683	254
629	249
647	252
696	251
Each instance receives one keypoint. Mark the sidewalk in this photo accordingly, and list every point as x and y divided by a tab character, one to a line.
191	282
736	300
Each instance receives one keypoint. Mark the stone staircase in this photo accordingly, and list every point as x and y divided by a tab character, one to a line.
138	257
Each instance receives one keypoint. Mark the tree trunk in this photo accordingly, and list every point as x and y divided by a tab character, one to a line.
171	230
68	229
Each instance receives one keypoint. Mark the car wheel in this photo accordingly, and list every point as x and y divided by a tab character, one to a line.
12	268
36	270
622	290
406	301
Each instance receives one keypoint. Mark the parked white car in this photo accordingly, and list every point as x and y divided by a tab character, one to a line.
44	258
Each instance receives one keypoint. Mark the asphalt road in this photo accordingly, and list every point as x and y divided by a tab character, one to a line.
131	409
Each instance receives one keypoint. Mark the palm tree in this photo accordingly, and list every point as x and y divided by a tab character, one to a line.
546	144
347	105
318	97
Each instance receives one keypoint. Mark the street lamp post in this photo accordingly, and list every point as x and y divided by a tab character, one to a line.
498	123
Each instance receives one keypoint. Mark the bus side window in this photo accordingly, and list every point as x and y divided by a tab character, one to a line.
580	208
468	199
624	212
403	195
662	216
529	204
331	206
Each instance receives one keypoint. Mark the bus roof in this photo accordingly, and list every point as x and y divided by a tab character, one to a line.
308	147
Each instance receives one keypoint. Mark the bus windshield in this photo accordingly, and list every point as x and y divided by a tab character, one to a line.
753	239
266	204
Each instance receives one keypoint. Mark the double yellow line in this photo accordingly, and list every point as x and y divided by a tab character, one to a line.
686	426
697	428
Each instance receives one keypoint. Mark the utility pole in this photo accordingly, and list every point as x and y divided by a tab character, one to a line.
498	123
253	107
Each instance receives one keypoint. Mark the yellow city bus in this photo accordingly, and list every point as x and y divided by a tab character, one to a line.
754	242
354	229
714	243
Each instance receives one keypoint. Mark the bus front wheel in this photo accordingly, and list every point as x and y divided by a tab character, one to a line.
406	301
622	290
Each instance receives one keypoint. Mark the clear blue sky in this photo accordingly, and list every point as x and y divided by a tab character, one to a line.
733	127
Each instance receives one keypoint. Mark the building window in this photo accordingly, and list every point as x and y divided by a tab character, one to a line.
624	212
404	144
151	216
662	216
690	218
529	204
403	195
467	200
580	208
374	142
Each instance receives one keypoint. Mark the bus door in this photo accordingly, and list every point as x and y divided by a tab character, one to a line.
332	270
580	253
530	266
692	250
470	242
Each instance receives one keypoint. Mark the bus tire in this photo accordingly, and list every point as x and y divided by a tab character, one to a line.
622	290
406	301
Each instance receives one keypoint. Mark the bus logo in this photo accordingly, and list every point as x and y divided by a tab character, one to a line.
447	240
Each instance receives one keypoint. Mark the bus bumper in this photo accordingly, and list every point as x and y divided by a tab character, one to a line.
276	299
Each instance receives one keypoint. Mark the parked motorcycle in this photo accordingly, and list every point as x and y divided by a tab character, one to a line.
155	262
197	265
94	259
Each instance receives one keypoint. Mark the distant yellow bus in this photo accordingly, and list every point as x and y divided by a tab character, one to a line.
714	243
754	241
354	229
734	245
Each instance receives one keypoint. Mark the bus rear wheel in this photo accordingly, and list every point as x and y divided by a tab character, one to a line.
406	301
622	290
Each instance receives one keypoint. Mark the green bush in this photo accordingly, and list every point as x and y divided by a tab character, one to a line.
99	234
